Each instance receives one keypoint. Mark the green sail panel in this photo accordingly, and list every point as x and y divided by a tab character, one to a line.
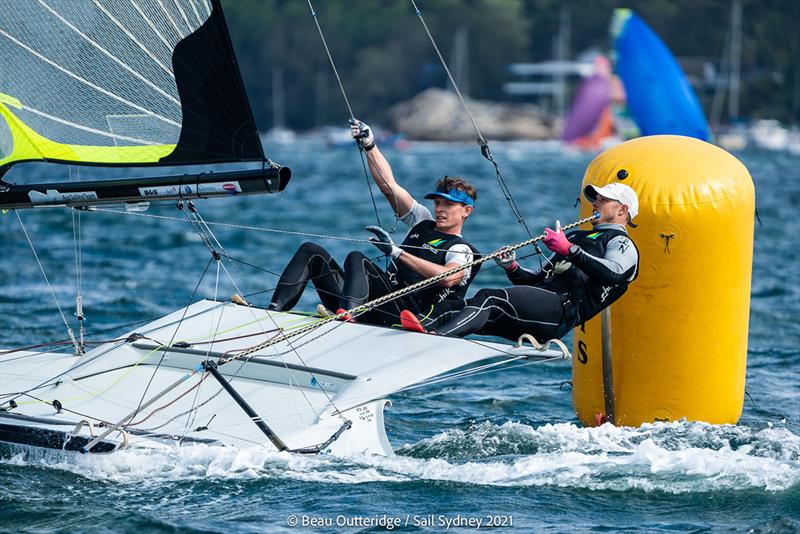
120	82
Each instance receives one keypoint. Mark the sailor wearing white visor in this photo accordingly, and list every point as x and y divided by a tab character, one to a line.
590	270
433	245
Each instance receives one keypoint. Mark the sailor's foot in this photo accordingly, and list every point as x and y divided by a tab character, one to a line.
346	317
322	311
410	322
236	298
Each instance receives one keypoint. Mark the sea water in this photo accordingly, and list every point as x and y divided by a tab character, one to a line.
500	450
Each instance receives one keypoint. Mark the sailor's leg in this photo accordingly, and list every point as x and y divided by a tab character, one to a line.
364	281
310	262
509	313
438	314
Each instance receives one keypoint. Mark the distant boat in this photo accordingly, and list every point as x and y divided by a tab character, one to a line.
659	98
590	123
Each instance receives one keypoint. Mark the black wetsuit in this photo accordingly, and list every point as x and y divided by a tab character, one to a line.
361	280
548	304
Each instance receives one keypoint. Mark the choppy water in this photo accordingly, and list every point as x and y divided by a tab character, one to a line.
504	444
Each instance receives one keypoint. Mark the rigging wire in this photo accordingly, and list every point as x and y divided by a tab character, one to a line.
363	308
76	236
49	286
204	229
175	333
484	145
347	103
213	335
255	228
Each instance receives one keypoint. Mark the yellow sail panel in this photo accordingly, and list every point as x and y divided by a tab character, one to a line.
28	145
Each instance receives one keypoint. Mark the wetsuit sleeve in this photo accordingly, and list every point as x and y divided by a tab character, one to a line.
416	215
618	265
524	277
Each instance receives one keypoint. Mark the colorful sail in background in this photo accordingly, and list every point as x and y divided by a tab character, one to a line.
659	98
589	120
142	83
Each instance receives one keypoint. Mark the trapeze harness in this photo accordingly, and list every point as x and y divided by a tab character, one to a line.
361	280
548	304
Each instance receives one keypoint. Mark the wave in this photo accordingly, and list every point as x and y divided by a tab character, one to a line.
667	457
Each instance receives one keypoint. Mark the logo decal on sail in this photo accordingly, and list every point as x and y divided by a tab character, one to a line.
231	188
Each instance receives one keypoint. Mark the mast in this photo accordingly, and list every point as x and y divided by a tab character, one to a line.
562	54
736	59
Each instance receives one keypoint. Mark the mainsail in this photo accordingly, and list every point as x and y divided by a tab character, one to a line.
121	82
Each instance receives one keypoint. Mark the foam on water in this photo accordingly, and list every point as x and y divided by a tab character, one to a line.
668	457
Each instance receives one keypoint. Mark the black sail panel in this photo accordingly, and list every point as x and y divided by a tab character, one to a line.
218	123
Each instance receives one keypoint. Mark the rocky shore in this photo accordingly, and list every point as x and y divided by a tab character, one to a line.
438	115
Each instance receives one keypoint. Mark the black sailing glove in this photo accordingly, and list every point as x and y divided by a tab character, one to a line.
384	242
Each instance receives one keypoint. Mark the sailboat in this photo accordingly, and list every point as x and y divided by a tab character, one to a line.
153	83
589	124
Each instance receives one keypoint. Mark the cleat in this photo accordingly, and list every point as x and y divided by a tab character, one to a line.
322	311
410	322
236	298
347	318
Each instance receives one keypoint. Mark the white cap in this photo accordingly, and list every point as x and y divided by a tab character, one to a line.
615	191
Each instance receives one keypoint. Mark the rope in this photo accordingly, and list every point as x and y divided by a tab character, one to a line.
482	143
349	109
207	236
330	58
449	76
358	310
142	402
76	235
257	229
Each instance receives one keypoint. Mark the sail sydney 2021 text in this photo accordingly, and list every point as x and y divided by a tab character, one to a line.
391	522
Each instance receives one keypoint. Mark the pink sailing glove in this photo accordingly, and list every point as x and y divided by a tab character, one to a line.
557	241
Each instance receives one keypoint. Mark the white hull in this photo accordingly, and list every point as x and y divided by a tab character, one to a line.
306	392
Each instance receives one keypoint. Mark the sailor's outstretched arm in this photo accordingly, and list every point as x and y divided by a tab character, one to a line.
519	276
617	265
400	199
429	269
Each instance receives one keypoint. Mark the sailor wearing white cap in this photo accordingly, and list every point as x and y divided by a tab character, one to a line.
590	270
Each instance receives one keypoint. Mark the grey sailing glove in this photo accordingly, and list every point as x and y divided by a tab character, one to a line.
362	133
384	242
507	260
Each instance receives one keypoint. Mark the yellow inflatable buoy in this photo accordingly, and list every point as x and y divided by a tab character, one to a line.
679	334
